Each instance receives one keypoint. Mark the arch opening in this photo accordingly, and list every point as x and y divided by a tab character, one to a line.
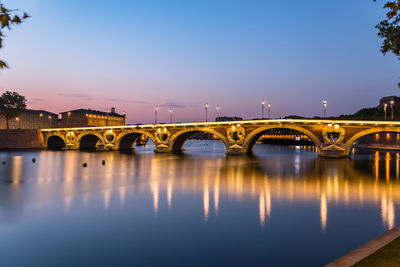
177	146
55	143
128	141
281	136
379	139
89	142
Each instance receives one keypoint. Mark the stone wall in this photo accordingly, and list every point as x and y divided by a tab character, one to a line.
19	139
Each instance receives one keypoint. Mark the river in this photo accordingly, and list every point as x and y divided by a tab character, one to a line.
283	206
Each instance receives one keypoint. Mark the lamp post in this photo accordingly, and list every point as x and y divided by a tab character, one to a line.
49	121
262	108
107	118
217	108
324	106
17	119
206	111
69	114
391	107
40	120
155	114
170	115
269	110
384	109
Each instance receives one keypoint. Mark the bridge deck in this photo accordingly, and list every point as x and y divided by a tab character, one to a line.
244	122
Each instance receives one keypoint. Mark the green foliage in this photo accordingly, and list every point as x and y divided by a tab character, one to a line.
389	29
9	18
12	105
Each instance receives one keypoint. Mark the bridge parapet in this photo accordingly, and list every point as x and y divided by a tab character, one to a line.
332	138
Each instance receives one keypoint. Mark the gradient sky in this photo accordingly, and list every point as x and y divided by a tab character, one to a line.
134	55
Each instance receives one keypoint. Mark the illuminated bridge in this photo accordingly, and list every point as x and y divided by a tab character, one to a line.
331	137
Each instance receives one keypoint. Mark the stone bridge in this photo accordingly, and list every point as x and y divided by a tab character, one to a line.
332	138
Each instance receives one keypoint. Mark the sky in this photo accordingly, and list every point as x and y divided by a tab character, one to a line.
134	55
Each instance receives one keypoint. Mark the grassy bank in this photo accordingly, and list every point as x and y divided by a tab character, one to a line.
389	255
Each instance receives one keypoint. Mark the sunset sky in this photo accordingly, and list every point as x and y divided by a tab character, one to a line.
134	55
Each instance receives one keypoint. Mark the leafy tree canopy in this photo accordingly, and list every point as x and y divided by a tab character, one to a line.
9	18
12	105
389	29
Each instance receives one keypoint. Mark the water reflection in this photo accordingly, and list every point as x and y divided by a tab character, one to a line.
318	180
208	185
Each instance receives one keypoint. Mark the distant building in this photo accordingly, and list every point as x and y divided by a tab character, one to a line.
388	99
228	119
31	119
89	117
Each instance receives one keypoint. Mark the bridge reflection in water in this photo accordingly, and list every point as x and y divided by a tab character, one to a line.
329	182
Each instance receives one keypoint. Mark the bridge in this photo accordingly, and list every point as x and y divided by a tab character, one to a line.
332	138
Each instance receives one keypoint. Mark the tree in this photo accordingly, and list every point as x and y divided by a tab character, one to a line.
12	105
389	29
9	18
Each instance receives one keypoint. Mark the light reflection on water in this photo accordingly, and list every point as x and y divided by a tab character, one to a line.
283	206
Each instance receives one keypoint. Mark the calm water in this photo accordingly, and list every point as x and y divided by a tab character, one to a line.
282	207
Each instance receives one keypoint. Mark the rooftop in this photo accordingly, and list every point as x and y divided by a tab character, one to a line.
93	112
44	112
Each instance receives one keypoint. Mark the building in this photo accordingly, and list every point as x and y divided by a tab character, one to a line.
388	100
89	117
31	119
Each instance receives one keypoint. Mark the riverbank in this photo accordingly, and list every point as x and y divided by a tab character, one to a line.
375	250
20	139
389	255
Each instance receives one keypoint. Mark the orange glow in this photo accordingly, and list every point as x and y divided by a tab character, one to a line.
376	165
169	193
387	165
206	202
216	195
340	183
323	211
155	190
261	206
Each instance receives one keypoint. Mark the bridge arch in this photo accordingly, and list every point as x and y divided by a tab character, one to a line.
349	143
89	140
179	138
253	136
55	141
127	139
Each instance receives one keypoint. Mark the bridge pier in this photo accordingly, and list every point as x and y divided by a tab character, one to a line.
236	150
162	149
333	154
333	151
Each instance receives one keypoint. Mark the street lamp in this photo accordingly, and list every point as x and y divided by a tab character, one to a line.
391	107
17	119
69	114
40	120
217	111
262	108
49	121
269	110
384	109
107	117
206	112
324	106
155	114
170	115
